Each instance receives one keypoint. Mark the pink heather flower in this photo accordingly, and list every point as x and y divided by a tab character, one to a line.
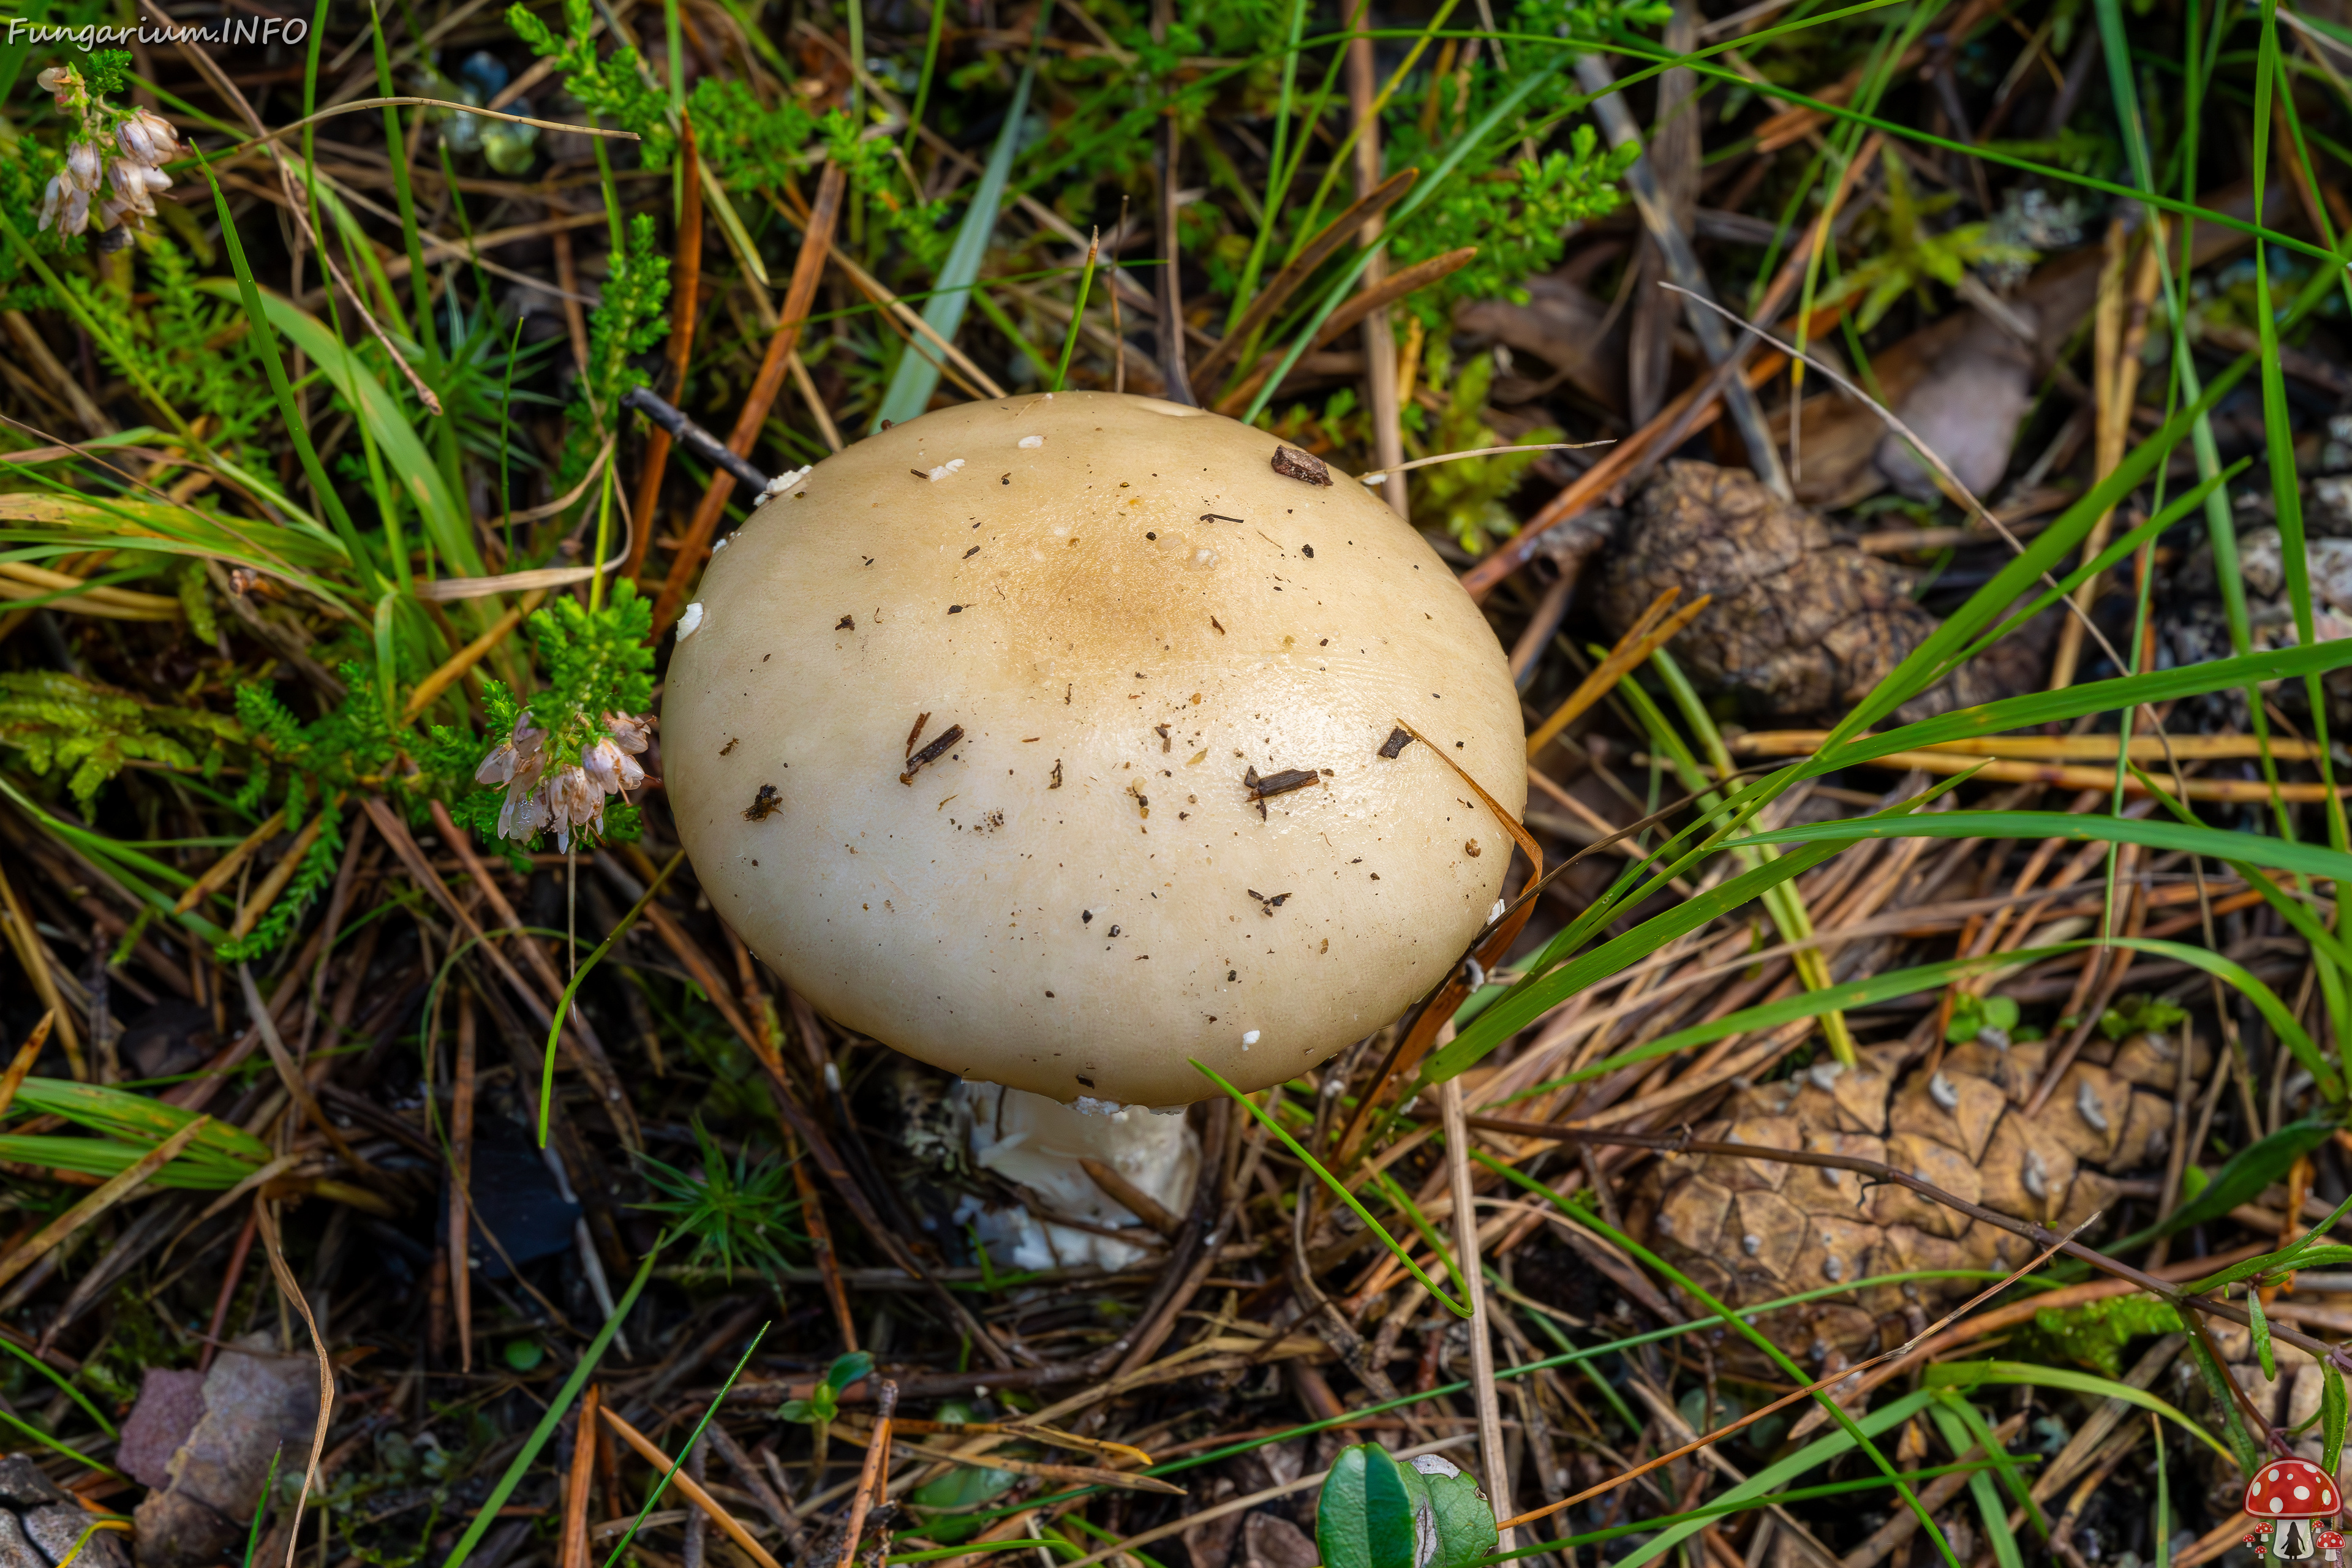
82	164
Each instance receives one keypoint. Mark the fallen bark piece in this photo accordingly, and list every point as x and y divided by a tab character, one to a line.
1965	409
257	1404
1799	624
39	1523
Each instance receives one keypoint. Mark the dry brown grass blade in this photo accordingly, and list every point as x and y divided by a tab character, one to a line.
1050	1436
1488	950
216	876
33	954
1707	1439
685	276
2247	792
1651	633
1379	296
582	1481
874	1476
258	904
651	1453
26	1055
289	1072
1059	1474
1276	290
2051	748
459	664
808	268
291	1288
104	1196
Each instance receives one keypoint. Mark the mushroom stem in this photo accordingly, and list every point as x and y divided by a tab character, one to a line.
1043	1147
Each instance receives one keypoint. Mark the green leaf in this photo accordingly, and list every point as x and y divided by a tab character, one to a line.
2332	1413
2249	1171
1461	1520
848	1369
2261	1326
1377	1511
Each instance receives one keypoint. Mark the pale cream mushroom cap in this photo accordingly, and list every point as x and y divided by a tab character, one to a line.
1079	895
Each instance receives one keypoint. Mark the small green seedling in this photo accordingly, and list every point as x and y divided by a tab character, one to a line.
1972	1015
1378	1511
2140	1016
824	1403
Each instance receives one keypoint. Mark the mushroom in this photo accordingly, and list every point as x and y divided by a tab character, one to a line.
1061	740
2291	1493
2331	1546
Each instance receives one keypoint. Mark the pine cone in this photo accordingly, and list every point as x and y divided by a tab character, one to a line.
1754	1230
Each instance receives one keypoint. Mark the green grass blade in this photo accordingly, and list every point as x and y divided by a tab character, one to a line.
525	1457
2007	1373
916	377
1852	1434
1338	1188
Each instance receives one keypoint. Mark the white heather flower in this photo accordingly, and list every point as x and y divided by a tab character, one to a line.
630	733
147	138
61	82
82	164
610	769
523	815
73	212
573	802
49	199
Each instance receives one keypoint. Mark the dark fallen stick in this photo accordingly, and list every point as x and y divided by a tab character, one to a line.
694	437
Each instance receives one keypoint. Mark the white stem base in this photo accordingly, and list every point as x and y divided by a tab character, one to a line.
1037	1142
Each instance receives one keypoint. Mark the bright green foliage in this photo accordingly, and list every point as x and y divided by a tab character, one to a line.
1591	20
1972	1015
1911	255
733	1211
184	344
322	758
823	1402
614	89
61	721
629	321
1468	493
2141	1015
309	879
744	144
1519	220
2095	1333
874	173
597	662
108	73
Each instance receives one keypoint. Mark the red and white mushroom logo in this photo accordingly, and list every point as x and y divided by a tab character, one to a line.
2290	1488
